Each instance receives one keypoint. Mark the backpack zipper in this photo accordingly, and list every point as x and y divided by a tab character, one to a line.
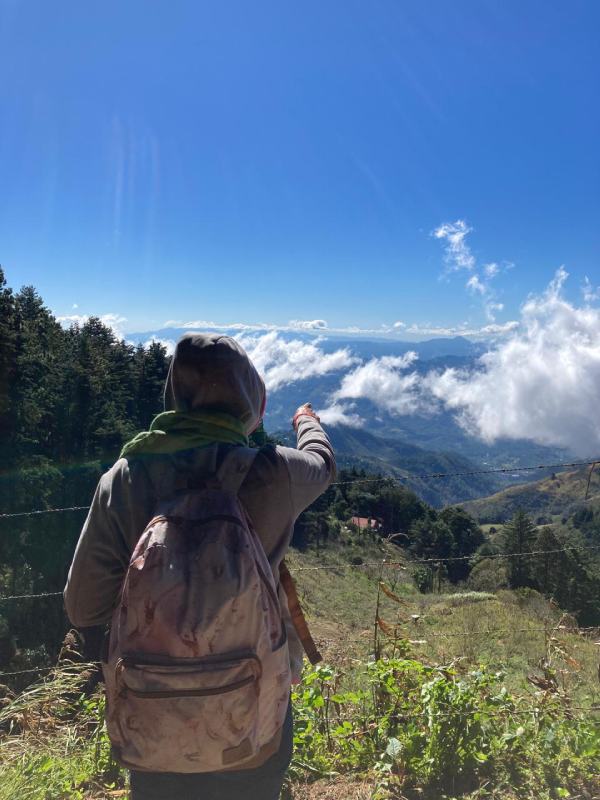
230	687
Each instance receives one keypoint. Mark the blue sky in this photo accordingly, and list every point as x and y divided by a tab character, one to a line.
270	161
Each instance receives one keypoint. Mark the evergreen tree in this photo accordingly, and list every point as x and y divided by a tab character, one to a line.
552	571
151	366
8	352
518	538
467	537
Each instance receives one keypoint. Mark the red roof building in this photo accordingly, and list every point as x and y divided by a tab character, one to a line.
366	523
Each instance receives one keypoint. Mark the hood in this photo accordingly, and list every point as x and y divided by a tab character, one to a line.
211	372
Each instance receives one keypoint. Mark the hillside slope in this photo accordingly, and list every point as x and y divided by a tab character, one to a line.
561	494
357	447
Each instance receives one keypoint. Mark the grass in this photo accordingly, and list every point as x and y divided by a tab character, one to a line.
53	745
519	633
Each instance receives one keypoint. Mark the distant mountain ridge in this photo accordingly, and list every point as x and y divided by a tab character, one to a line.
407	462
562	493
364	346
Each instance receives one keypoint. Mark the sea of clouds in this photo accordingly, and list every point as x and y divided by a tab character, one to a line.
540	382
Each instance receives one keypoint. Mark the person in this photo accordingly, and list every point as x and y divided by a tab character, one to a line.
214	399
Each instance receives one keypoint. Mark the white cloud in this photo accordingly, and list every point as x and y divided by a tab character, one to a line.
74	306
281	362
481	285
386	383
308	324
115	322
476	285
339	414
590	293
458	252
72	319
293	325
458	256
498	329
491	309
203	324
392	331
168	344
543	383
540	382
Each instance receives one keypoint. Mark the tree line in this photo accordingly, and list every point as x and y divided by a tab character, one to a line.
69	398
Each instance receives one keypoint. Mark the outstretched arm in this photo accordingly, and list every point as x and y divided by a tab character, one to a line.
311	465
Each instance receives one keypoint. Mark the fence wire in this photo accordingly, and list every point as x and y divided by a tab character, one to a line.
439	560
399	480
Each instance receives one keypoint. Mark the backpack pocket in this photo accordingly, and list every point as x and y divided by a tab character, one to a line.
187	715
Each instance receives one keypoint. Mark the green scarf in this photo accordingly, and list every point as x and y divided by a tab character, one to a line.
177	430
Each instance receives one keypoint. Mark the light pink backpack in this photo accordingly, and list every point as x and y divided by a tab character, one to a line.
198	675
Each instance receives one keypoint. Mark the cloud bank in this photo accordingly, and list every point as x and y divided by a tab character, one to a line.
282	362
385	382
541	382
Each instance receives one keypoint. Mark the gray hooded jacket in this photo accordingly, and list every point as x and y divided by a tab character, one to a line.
209	372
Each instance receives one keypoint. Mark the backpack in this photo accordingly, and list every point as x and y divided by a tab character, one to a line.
198	675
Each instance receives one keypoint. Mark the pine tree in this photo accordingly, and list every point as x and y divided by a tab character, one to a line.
518	539
8	352
467	536
151	367
551	573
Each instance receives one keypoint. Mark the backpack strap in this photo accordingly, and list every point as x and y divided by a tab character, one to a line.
230	476
297	615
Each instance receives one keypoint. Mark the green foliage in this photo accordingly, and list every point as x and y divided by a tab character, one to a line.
55	745
399	514
420	730
68	401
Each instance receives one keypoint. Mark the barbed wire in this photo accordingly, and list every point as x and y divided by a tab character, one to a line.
64	665
37	670
43	511
30	596
468	473
383	563
443	559
430	713
488	714
500	632
392	478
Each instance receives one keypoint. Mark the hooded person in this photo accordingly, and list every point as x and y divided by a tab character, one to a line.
214	399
